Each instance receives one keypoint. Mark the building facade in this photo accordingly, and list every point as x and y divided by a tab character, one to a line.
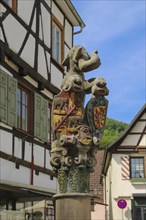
35	37
96	189
124	173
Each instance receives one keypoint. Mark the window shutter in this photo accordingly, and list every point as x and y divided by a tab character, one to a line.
12	101
37	116
41	118
3	96
44	128
125	167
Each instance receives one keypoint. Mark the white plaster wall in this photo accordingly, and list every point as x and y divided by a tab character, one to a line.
10	173
28	152
56	76
143	116
14	32
48	166
1	35
43	180
46	16
68	33
98	213
38	153
42	63
57	13
18	148
143	141
138	127
123	187
28	52
25	10
131	140
66	51
2	8
6	142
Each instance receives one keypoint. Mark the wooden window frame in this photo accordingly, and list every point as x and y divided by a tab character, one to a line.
144	163
29	110
13	5
60	27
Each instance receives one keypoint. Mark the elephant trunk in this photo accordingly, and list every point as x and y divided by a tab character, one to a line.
92	63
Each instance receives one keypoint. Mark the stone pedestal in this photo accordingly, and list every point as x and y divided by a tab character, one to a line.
73	206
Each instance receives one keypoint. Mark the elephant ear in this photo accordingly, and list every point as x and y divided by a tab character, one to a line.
72	57
76	53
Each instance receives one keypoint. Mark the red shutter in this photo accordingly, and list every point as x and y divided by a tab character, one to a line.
125	167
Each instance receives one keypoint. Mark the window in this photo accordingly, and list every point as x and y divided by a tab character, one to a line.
137	167
22	108
12	4
57	41
17	110
139	208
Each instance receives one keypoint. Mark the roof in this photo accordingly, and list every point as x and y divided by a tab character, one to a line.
71	13
112	148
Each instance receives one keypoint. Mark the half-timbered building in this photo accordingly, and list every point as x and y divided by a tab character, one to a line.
35	37
124	173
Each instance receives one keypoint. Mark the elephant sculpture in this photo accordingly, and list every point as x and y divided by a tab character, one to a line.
71	123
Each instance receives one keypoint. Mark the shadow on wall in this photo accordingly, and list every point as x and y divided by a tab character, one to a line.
128	214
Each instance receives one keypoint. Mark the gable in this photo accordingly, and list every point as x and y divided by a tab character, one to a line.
133	140
134	137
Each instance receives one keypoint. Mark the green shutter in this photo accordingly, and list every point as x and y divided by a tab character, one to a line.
41	118
12	101
3	96
37	116
44	125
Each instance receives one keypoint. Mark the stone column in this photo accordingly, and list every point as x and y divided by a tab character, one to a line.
73	206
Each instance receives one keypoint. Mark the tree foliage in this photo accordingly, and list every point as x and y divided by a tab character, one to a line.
113	129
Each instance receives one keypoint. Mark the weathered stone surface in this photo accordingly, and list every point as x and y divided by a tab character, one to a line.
77	132
73	207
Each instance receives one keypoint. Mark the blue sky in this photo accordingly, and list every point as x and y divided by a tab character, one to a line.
117	29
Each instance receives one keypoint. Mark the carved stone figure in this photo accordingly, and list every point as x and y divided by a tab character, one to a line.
77	131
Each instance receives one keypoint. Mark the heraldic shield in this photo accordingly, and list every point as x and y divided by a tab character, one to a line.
95	115
99	116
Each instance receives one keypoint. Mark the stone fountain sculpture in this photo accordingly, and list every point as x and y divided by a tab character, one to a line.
77	130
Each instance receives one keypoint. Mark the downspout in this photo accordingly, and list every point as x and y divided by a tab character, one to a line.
105	194
81	29
75	13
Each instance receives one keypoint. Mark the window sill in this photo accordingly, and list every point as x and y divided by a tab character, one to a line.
138	181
